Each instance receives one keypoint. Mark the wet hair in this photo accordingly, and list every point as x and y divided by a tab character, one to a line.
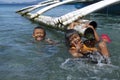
68	34
90	42
89	33
94	24
39	27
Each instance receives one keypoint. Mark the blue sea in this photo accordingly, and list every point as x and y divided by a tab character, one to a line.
21	58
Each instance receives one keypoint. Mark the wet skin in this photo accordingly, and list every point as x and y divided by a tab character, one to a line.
39	34
75	41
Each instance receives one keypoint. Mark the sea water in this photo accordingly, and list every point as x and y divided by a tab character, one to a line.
21	58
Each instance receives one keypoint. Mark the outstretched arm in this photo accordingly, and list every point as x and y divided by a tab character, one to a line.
103	49
50	41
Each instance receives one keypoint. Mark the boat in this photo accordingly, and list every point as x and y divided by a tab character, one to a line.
60	23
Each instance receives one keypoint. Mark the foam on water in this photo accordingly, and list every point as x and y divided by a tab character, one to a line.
84	65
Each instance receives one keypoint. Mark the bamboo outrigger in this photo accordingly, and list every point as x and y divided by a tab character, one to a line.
62	21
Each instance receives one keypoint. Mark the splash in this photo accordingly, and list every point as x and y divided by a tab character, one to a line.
96	57
95	64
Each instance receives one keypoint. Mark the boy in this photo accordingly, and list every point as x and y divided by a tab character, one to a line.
39	34
75	45
102	54
87	28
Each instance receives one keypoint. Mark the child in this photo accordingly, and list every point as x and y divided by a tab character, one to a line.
75	45
87	28
102	54
39	34
102	45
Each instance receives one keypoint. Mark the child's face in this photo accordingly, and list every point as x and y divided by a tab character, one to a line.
39	34
75	40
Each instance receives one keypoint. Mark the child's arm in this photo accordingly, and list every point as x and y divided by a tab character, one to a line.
103	49
50	41
75	53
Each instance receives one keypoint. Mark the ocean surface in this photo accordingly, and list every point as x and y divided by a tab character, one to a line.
21	58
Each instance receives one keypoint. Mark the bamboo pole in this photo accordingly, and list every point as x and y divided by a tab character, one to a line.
61	22
37	6
33	7
25	8
50	7
70	17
